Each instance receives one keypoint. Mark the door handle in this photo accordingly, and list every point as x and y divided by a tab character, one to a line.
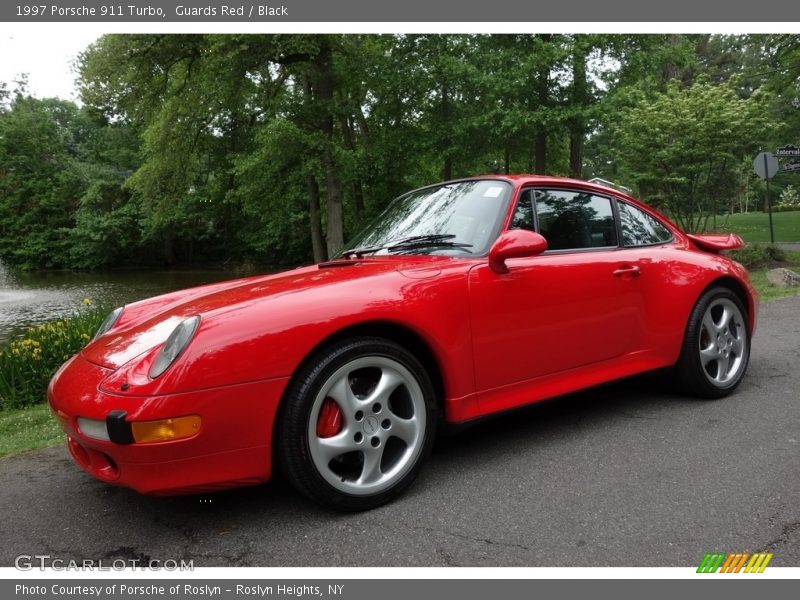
631	270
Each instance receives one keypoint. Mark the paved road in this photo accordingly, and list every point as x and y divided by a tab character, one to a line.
629	475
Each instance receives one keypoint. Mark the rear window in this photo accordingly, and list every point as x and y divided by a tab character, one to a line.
639	228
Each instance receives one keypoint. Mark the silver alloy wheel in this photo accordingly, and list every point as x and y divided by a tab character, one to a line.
723	342
383	426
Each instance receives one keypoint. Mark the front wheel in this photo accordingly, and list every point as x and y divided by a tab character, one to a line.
716	346
356	424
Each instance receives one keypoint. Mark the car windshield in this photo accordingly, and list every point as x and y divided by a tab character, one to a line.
460	218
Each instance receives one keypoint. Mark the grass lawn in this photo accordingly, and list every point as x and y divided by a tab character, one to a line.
758	276
754	226
29	428
769	292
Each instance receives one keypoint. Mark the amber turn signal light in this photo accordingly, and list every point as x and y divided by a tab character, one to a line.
164	430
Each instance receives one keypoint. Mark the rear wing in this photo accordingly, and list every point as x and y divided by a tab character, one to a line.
716	242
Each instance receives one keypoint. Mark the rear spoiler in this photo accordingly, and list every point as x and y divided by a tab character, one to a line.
716	242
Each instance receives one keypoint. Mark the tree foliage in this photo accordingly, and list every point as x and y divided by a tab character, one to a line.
40	180
276	149
684	147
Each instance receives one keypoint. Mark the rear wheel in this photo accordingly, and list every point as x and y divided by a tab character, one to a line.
716	346
356	424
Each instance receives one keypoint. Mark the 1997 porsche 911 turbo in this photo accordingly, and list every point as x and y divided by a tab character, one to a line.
460	300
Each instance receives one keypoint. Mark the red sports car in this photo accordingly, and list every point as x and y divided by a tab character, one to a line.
462	299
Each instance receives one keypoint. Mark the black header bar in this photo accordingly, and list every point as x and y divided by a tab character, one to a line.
406	11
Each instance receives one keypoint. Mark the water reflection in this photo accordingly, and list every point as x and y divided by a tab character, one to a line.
31	298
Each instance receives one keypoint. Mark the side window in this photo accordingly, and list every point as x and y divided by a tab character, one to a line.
572	220
639	228
523	213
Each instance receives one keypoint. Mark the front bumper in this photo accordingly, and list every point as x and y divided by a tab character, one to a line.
232	447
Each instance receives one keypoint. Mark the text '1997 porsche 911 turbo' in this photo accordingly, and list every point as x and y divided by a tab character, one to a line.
462	299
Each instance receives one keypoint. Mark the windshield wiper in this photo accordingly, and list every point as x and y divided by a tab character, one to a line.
407	246
410	243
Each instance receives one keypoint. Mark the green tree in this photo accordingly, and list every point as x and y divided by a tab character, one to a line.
277	148
684	148
40	182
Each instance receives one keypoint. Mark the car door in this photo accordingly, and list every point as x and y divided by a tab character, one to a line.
578	303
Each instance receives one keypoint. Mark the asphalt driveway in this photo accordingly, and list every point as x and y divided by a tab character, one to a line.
627	475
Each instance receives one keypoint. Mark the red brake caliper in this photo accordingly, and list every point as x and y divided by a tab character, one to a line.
329	422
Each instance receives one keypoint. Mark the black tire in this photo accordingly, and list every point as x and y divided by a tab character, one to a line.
356	363
715	378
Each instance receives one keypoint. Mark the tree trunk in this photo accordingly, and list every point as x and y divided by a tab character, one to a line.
324	89
317	241
333	204
576	141
579	101
169	249
349	140
314	216
447	169
358	196
231	182
362	125
540	149
670	70
542	96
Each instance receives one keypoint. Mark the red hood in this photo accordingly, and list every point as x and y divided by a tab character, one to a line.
147	324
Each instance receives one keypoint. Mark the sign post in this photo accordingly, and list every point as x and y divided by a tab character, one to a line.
766	165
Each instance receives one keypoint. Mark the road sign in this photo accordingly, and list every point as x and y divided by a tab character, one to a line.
766	165
792	166
788	150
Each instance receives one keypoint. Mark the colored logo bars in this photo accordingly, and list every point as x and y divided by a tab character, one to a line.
734	562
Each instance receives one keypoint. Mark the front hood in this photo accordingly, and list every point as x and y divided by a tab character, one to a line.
154	319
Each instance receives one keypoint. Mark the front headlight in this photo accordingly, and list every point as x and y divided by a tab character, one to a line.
110	321
175	344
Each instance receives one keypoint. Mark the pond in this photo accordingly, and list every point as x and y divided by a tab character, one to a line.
31	298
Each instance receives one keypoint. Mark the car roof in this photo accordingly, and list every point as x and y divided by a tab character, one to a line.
522	179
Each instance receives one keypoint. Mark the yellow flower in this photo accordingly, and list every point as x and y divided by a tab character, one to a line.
87	301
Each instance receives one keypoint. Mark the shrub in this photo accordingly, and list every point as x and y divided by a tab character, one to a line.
28	362
754	256
790	197
785	208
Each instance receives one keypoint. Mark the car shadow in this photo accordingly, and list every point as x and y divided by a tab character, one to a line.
638	397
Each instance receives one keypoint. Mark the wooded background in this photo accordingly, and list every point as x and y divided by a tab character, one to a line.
275	149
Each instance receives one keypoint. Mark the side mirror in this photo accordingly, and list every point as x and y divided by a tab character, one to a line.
516	243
